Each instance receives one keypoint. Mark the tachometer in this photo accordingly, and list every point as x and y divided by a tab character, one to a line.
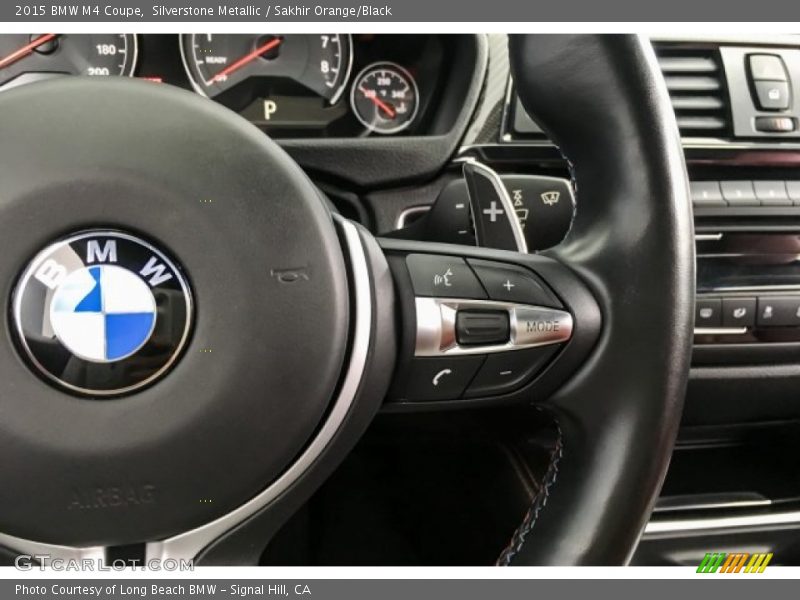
28	57
217	63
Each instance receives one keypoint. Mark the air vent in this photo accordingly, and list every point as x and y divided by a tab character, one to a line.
696	86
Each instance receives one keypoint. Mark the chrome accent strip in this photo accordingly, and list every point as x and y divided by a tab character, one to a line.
51	551
402	218
707	237
721	505
505	200
189	544
669	527
720	330
436	326
752	288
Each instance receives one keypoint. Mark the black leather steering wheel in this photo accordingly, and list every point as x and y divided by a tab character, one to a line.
302	319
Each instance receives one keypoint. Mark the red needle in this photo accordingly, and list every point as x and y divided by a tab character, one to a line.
27	49
273	43
380	103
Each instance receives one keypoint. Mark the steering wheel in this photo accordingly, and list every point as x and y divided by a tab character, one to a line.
195	342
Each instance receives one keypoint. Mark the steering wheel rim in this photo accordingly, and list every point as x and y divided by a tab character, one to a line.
603	100
616	387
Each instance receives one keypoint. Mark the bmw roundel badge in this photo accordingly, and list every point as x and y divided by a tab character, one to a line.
102	312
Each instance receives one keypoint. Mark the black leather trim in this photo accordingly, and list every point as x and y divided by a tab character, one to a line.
603	101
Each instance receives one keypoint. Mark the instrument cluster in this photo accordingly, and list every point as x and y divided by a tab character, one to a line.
293	85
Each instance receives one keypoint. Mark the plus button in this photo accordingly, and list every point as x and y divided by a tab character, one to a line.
493	212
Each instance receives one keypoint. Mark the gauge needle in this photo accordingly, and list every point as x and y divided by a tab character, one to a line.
379	103
273	43
26	49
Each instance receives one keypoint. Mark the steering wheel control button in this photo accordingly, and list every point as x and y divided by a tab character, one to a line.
441	378
534	326
706	193
482	327
778	311
510	283
443	276
102	312
496	222
544	206
504	373
738	312
708	313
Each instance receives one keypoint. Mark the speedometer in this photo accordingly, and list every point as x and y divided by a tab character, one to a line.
28	57
218	63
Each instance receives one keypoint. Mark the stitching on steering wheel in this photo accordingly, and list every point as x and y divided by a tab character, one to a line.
539	502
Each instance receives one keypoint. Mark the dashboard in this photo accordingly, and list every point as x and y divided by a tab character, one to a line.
291	86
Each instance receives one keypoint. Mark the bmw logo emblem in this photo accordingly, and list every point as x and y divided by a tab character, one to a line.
102	313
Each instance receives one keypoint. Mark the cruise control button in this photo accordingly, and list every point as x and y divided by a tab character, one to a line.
774	311
708	313
441	378
482	327
505	372
510	283
738	312
443	276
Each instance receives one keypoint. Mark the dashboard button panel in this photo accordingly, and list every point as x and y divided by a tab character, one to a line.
738	312
708	313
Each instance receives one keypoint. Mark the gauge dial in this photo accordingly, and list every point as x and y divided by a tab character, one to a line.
385	98
28	57
216	63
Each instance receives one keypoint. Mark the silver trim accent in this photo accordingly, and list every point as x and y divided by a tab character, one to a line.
402	218
436	326
187	545
708	237
751	288
720	330
51	551
669	527
505	200
720	505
